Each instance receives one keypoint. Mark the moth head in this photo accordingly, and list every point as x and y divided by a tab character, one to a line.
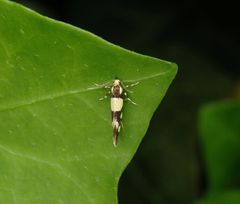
116	82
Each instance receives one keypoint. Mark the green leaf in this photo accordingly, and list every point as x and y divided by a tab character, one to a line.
226	197
220	134
55	135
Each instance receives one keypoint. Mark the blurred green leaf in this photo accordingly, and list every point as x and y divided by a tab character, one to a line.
227	197
55	135
220	134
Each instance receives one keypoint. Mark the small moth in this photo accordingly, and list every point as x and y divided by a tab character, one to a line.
117	93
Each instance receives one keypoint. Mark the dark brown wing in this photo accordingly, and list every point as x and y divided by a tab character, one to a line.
117	117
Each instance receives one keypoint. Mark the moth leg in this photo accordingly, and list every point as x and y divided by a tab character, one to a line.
105	97
128	99
95	84
131	85
102	86
125	88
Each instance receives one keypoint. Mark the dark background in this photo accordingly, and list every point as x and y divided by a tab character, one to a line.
203	40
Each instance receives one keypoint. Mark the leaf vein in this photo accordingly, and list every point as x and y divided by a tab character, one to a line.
73	92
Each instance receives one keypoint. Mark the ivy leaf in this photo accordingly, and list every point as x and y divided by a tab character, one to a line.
220	131
55	135
220	135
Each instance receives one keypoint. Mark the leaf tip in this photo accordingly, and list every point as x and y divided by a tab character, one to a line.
175	67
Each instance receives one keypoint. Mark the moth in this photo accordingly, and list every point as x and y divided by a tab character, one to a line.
118	94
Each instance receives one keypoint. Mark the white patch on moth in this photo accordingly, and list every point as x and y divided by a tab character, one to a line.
116	82
119	128
116	104
115	123
121	90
